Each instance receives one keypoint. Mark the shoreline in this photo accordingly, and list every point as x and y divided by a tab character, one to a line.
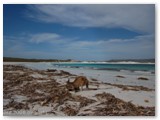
138	96
130	77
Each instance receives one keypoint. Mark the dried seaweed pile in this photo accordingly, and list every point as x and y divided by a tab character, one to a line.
118	107
25	89
130	87
44	91
125	87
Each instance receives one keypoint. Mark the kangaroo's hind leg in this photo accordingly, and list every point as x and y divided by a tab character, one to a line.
82	88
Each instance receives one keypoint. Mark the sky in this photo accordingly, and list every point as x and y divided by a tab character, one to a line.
80	32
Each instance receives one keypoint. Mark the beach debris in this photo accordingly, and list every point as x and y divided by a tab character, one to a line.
152	72
94	79
65	73
142	78
15	68
83	100
146	101
69	111
120	76
51	70
22	91
130	87
117	107
16	105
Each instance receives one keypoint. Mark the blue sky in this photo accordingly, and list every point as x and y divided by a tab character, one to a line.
80	32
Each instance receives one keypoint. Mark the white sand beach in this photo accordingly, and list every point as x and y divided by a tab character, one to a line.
123	85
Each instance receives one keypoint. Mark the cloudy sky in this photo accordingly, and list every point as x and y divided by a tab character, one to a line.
80	32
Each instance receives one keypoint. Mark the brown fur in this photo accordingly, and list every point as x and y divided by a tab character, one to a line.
79	81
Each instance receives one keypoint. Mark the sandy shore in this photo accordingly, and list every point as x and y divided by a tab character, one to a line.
29	91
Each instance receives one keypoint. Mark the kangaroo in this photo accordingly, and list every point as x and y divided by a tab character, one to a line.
79	81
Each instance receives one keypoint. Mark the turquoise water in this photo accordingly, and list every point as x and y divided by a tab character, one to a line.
116	67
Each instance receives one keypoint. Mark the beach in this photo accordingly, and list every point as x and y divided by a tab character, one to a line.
40	89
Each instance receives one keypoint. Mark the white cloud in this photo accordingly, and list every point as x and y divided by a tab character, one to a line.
138	47
48	38
44	37
59	48
139	18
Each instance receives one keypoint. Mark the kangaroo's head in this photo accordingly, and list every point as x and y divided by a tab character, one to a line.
69	85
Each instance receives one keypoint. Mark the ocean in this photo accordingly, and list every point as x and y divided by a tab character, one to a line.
108	66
